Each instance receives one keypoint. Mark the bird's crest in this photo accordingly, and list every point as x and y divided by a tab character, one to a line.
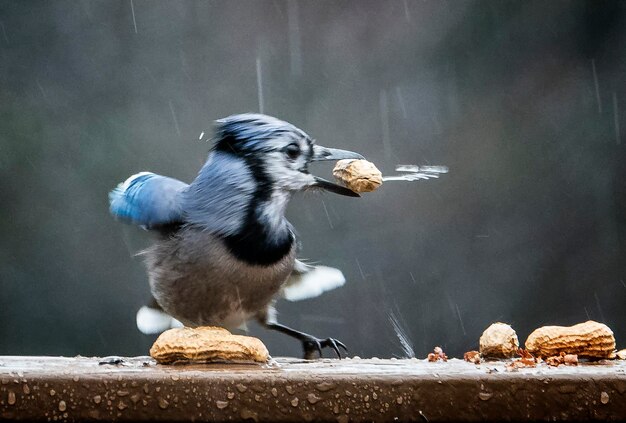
250	133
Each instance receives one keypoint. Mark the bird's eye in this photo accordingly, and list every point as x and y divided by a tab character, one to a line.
292	151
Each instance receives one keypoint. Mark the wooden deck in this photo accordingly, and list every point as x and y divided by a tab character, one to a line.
72	389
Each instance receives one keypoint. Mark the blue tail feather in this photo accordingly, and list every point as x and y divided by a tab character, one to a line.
148	200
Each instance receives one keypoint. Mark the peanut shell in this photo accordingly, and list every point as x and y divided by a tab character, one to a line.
206	344
498	341
590	339
358	175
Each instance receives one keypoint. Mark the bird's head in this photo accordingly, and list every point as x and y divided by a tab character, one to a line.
277	152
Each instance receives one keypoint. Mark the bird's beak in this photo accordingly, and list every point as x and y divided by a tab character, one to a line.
324	153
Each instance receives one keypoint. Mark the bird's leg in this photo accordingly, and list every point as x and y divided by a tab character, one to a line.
310	344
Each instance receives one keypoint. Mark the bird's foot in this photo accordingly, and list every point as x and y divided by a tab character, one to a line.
311	345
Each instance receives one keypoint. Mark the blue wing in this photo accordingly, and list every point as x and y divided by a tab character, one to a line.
148	200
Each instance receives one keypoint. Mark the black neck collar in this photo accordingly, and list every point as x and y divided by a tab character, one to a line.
256	242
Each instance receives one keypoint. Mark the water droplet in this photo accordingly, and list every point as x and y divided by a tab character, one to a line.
52	392
485	395
290	389
374	395
257	398
163	403
75	378
135	398
230	395
121	405
295	401
175	377
26	389
241	388
325	386
336	409
248	414
12	399
399	400
274	392
122	393
62	406
97	399
604	398
221	404
343	419
312	398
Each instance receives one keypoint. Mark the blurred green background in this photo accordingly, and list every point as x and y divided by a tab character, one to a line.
523	101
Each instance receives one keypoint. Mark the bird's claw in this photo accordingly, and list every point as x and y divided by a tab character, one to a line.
311	345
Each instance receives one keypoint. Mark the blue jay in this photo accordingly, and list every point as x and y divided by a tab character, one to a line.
225	251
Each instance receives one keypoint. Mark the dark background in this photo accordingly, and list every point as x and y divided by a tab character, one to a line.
524	101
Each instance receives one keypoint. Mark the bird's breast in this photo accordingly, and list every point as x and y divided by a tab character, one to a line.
197	279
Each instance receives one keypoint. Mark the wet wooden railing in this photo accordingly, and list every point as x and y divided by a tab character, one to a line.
72	389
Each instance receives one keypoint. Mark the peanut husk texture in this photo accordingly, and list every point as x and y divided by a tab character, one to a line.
498	341
590	339
206	344
358	175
